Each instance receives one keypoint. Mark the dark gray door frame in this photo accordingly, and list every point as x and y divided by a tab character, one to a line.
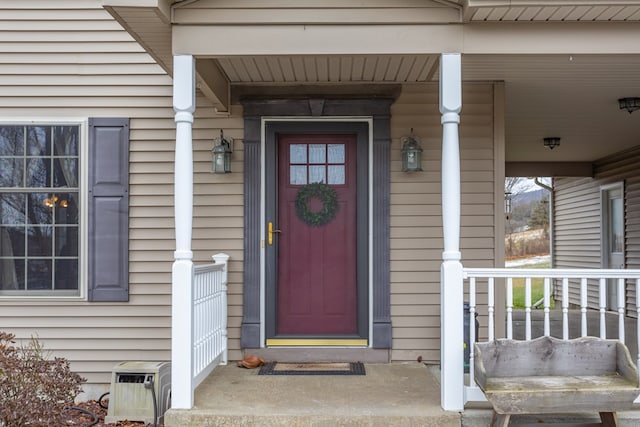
361	130
378	109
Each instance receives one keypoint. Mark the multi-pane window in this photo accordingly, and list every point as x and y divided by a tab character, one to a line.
317	163
39	209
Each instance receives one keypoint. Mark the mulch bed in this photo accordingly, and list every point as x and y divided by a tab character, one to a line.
80	419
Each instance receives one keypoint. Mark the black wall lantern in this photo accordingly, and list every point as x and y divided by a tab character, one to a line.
551	142
411	153
629	104
221	154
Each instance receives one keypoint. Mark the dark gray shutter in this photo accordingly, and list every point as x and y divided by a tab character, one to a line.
108	209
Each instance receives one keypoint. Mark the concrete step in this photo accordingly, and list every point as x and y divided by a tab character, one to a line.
203	419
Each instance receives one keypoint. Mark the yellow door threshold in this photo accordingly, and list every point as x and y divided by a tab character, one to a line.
313	342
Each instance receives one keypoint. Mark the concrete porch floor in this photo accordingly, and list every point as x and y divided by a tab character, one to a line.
388	395
396	394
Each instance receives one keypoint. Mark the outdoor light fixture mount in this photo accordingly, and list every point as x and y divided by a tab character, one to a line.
411	153
221	154
551	142
630	104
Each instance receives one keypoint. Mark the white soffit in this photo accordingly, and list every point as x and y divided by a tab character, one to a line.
331	69
577	11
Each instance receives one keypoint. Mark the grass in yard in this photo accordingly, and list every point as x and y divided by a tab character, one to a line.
537	288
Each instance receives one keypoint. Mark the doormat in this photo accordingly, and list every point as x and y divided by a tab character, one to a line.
276	368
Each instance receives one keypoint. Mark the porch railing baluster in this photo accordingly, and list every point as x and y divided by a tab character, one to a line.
510	308
527	308
583	306
491	309
472	329
565	309
547	307
621	309
603	307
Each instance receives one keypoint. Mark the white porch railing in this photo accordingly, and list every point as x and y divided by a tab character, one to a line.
481	284
209	317
198	326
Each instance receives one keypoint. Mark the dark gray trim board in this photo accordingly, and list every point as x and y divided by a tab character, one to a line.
552	169
379	110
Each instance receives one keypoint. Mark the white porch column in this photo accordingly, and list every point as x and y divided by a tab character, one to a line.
184	104
451	285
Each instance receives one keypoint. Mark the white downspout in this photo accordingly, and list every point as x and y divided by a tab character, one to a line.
184	105
451	285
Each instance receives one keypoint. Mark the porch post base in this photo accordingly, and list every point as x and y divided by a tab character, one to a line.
381	335
250	335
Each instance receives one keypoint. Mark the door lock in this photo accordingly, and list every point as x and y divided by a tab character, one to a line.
270	233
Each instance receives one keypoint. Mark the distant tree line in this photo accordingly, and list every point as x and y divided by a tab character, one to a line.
527	214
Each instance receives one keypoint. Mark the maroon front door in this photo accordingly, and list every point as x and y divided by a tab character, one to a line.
316	291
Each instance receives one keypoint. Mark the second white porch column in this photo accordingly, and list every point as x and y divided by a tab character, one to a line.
451	285
184	104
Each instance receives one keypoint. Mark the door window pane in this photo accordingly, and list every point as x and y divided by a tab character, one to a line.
336	174
317	153
317	174
617	227
298	154
336	153
297	175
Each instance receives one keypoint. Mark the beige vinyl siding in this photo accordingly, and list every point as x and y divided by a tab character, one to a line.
87	66
313	12
416	221
577	229
71	59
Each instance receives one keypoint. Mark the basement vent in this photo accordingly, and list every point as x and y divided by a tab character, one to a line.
134	387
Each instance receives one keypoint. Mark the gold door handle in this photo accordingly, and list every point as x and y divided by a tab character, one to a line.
270	233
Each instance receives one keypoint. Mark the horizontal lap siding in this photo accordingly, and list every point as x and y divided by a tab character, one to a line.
71	59
416	211
577	222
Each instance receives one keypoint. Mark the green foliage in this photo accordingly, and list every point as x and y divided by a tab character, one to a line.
540	215
537	288
35	390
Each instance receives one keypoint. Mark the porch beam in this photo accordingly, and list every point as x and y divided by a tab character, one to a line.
213	84
471	38
451	285
551	169
184	105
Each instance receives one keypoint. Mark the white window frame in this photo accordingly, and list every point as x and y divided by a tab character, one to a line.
83	157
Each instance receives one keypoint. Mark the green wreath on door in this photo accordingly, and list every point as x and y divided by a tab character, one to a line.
326	195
